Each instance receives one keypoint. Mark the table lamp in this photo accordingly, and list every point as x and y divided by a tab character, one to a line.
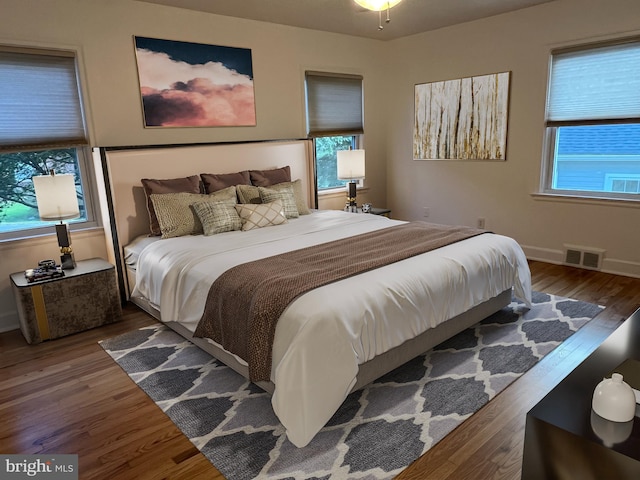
57	199
351	167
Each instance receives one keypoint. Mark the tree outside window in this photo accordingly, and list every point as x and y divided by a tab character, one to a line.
18	207
327	162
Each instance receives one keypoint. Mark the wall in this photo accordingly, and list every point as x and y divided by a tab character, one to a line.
103	32
455	192
459	192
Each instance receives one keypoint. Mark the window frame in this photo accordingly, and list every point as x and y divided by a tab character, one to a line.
87	175
356	144
84	153
321	124
549	151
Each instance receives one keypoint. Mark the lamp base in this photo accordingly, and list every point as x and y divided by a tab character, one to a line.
352	205
64	241
67	261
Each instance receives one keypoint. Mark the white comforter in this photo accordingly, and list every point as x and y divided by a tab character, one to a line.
325	334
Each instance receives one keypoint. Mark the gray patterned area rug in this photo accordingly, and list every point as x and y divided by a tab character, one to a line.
379	430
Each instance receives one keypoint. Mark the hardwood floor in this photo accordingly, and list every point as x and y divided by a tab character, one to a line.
68	396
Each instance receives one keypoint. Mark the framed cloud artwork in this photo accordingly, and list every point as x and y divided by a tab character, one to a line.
185	84
462	119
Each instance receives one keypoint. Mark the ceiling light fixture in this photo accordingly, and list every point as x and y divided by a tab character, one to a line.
379	6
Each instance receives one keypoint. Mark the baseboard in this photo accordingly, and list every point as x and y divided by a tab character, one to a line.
609	265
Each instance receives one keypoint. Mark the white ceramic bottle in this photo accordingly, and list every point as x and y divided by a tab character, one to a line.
614	400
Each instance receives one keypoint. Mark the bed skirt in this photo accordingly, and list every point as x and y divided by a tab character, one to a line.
372	369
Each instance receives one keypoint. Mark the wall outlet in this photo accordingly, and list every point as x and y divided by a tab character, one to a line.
480	222
426	212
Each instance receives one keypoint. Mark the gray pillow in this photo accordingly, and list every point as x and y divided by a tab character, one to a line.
217	217
285	195
301	201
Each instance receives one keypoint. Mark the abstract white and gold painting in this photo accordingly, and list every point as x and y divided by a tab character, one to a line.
462	119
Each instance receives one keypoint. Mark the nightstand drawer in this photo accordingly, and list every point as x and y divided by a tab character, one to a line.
86	297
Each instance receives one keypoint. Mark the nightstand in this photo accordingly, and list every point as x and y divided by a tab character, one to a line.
86	297
378	211
381	211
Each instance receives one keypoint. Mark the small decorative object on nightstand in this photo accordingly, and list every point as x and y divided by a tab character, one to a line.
85	297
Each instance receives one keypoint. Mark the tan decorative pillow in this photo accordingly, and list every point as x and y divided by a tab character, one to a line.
248	194
285	195
217	217
251	194
262	215
172	185
176	216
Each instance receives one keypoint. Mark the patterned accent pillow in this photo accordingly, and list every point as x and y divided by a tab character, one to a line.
301	201
262	215
217	217
171	185
251	194
248	194
176	216
285	195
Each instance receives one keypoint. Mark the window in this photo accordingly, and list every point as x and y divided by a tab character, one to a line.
326	159
18	208
41	129
334	121
593	122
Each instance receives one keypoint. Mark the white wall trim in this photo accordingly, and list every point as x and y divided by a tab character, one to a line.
49	238
609	265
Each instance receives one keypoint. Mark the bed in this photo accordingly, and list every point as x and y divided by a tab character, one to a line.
331	340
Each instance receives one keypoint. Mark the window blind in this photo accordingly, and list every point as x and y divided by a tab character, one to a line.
599	84
334	104
39	101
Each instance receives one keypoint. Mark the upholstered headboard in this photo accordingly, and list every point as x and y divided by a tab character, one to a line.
123	168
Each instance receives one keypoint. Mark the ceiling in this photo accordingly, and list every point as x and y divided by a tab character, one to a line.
345	16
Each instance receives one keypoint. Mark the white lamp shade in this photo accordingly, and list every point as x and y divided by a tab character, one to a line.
350	164
377	5
56	196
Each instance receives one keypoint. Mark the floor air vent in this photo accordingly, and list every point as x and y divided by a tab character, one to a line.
583	257
573	257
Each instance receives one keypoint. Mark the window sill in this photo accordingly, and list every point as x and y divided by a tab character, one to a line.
568	198
47	238
341	191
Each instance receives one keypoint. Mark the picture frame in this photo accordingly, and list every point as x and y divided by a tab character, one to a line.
185	84
462	119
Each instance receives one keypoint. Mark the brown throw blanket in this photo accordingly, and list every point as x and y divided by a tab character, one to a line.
245	302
